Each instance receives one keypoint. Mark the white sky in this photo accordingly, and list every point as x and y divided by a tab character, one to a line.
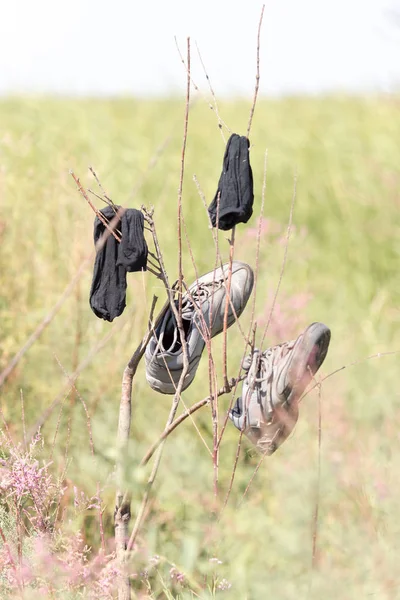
127	46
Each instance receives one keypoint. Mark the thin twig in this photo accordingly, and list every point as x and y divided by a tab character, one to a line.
260	220
214	418
257	73
253	326
113	206
204	201
288	232
239	378
238	448
185	129
352	364
205	331
57	427
188	412
101	526
77	342
214	403
219	260
6	428
196	87
92	206
263	456
106	198
245	403
220	121
64	393
50	316
207	338
122	502
23	418
319	385
317	492
88	422
46	321
177	315
152	162
228	295
11	560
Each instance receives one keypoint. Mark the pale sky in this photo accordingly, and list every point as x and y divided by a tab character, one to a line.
112	47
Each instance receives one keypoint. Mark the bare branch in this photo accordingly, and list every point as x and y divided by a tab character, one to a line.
352	364
238	448
260	220
152	163
99	214
185	129
177	314
204	201
188	412
122	501
257	73
228	295
220	121
288	232
198	90
46	321
263	456
23	419
67	292
88	423
105	198
317	492
74	376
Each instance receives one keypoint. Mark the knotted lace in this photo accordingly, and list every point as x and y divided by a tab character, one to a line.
194	299
266	372
268	368
192	302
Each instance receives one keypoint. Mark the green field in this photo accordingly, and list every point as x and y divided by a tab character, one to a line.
342	268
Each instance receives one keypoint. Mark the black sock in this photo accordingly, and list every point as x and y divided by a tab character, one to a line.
235	186
133	248
108	290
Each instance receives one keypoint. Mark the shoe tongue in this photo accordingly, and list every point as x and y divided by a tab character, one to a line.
171	340
169	332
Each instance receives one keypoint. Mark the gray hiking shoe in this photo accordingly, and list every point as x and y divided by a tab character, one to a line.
203	308
267	410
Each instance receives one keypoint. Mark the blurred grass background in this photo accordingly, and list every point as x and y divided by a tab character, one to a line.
342	269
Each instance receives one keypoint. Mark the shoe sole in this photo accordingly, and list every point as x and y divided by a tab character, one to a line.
307	358
168	387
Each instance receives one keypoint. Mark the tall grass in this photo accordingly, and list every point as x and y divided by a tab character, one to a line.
342	269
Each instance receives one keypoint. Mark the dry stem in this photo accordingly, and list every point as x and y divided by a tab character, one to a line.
196	87
257	73
122	501
188	412
50	316
317	493
177	313
95	210
288	232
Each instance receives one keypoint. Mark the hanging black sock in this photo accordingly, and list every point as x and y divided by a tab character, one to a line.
235	186
108	290
133	249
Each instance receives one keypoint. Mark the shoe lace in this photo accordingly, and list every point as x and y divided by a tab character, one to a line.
191	304
263	370
193	300
274	357
262	365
